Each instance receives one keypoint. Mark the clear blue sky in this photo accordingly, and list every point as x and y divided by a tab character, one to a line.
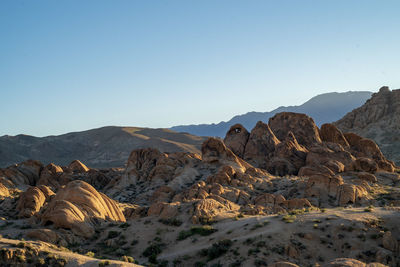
75	65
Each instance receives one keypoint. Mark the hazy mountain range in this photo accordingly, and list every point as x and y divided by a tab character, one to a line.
322	108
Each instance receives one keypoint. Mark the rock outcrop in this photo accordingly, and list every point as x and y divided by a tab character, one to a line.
378	119
32	200
77	206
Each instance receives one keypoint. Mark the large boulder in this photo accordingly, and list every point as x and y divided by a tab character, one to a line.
53	176
236	139
289	157
214	151
77	206
32	200
77	166
330	133
261	144
301	125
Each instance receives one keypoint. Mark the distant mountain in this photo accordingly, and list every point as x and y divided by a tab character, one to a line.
322	108
378	119
98	148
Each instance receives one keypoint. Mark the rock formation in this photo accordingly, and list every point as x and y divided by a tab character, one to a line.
77	205
378	119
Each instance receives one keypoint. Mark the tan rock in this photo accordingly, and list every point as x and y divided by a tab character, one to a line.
32	200
260	146
329	133
301	125
236	139
164	210
77	166
4	191
45	235
345	262
76	205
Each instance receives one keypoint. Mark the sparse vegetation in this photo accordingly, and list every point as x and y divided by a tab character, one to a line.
171	222
202	230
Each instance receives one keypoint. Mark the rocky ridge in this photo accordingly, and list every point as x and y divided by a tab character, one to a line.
379	120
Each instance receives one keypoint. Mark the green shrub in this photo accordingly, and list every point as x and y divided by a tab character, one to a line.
171	222
197	230
90	254
218	249
289	218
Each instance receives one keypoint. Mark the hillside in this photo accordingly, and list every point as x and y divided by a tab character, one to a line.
323	108
102	147
378	119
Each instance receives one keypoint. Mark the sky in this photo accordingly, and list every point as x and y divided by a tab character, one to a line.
75	65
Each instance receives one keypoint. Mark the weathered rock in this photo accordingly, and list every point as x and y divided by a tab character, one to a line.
351	194
4	191
210	208
389	242
52	176
236	139
261	144
365	165
301	125
77	205
289	157
337	161
164	210
378	119
214	151
31	201
45	235
329	133
77	166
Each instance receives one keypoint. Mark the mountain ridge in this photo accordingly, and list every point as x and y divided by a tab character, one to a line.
319	107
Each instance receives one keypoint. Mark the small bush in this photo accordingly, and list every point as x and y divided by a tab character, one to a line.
104	263
171	222
90	254
289	218
218	249
202	230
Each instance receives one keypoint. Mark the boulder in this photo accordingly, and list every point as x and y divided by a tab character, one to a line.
390	242
330	133
77	206
260	145
53	176
4	191
208	209
77	166
236	139
301	125
164	210
45	235
32	200
289	157
214	151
